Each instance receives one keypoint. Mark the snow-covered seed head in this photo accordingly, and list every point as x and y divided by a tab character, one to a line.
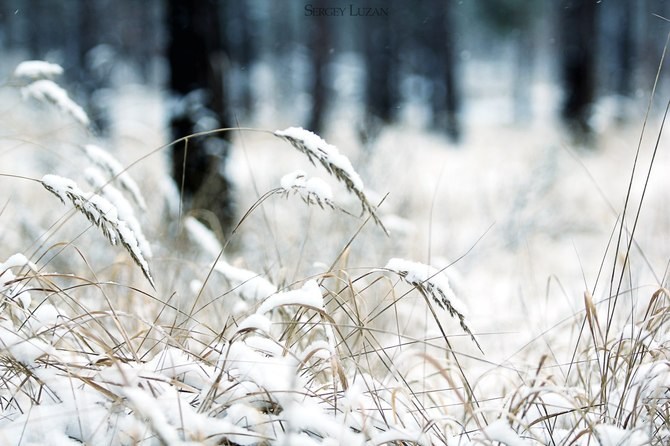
333	161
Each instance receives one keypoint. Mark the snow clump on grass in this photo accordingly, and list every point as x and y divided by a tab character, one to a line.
103	214
37	69
47	91
125	211
250	286
333	161
8	285
312	191
433	283
105	161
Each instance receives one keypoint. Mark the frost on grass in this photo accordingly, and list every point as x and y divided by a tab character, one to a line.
102	214
105	161
37	69
312	190
47	91
333	161
433	283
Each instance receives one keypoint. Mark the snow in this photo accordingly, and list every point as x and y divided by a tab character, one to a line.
309	295
293	179
116	171
608	435
124	210
501	431
249	285
324	152
99	211
15	290
271	376
146	409
16	260
25	351
397	435
202	236
419	273
256	322
309	188
48	91
37	69
61	186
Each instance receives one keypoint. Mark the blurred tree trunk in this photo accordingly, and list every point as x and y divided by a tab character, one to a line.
380	54
242	36
246	58
578	47
319	47
446	104
197	61
625	47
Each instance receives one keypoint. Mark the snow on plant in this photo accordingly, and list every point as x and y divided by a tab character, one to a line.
308	296
9	286
250	286
202	237
47	91
313	190
37	69
431	283
117	173
332	160
124	210
102	214
323	362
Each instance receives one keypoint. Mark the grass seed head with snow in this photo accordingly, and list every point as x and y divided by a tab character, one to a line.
333	161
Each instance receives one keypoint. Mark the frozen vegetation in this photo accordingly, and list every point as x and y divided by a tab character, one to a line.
510	291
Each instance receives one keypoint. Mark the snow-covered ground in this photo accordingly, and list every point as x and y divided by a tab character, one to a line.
305	331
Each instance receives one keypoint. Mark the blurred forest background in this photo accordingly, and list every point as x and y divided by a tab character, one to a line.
440	65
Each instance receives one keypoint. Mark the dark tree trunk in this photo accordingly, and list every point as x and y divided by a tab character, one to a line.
625	48
578	29
246	59
381	97
447	107
241	37
197	63
319	46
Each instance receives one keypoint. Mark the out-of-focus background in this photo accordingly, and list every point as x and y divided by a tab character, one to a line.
439	65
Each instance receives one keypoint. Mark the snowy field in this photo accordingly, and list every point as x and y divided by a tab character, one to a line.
311	325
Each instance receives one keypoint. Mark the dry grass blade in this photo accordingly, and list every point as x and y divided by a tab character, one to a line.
592	318
333	161
102	214
430	282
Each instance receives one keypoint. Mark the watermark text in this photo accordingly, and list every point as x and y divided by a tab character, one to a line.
350	10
